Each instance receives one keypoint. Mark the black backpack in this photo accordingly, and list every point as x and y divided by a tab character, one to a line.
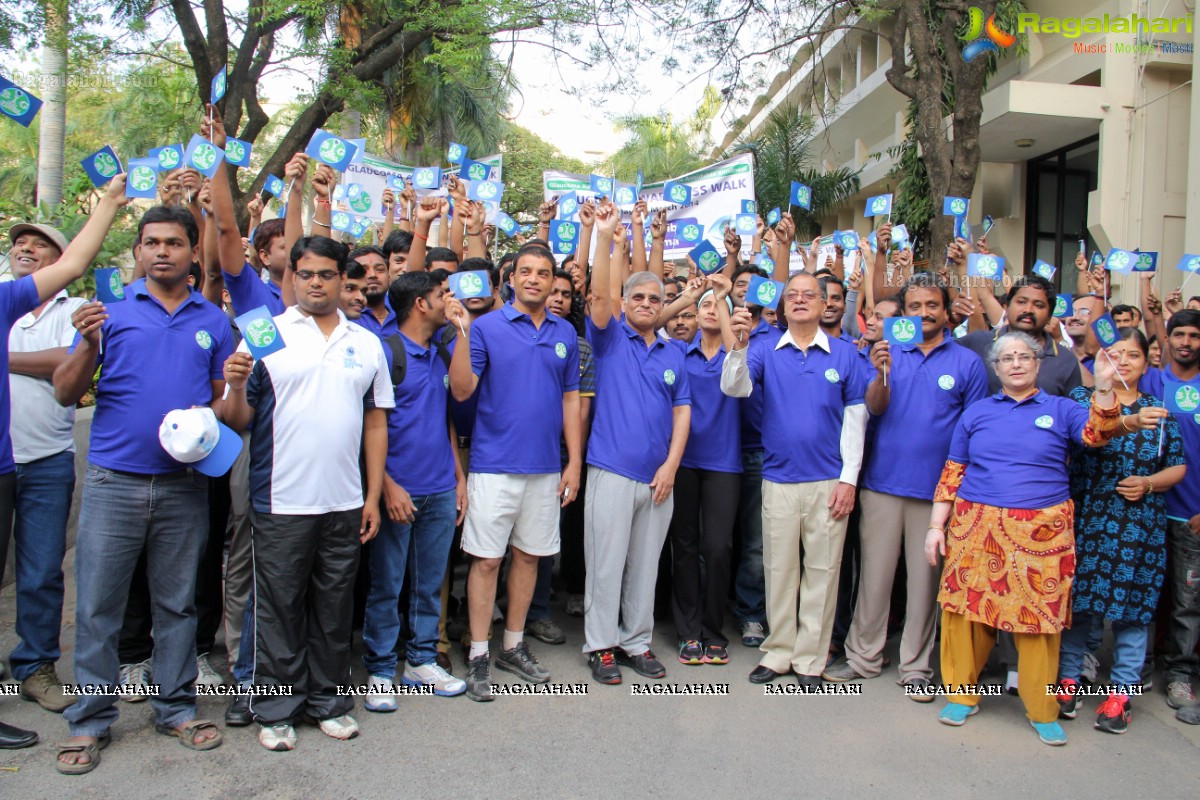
400	355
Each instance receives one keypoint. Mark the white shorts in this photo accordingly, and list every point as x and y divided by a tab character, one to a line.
521	510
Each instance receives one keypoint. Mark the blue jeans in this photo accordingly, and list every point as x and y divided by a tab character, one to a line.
120	514
749	586
43	503
539	605
1129	648
421	549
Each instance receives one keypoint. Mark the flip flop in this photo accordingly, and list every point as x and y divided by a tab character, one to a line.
186	734
92	751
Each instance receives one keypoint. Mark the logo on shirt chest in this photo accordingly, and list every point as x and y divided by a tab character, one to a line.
669	377
1045	421
560	350
348	358
1187	398
204	339
946	382
832	376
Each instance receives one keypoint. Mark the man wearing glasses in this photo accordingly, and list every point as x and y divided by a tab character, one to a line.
1028	307
643	410
322	399
814	423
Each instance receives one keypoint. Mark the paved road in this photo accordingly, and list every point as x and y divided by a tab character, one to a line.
610	743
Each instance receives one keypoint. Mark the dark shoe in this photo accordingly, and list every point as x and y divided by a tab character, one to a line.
479	679
841	671
1113	716
545	630
644	664
604	667
920	690
764	674
1068	698
691	653
753	634
13	738
808	682
443	661
716	654
1179	694
238	714
520	662
1189	714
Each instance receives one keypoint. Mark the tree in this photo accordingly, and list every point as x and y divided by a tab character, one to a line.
782	154
662	148
526	155
53	130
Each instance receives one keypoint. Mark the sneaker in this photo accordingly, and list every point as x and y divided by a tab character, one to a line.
1089	669
1050	733
1189	714
1113	716
645	664
920	692
956	714
44	688
753	634
716	654
343	727
840	672
1010	684
604	667
575	605
545	630
691	653
520	662
205	674
279	738
444	684
135	675
1068	698
381	695
479	679
1179	694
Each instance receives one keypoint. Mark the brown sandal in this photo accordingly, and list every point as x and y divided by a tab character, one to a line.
91	750
186	734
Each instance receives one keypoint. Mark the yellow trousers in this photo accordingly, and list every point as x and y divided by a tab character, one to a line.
965	648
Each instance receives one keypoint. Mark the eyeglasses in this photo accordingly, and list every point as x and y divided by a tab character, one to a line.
1024	359
794	295
326	275
685	315
1083	312
652	299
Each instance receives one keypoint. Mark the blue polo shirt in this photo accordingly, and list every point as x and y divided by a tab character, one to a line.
637	389
419	456
805	397
383	329
153	362
752	406
524	371
1183	499
911	438
248	292
714	442
17	298
1016	453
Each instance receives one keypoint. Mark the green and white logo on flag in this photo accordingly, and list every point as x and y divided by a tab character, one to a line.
477	172
678	193
142	178
204	156
235	150
710	261
958	206
261	332
332	151
766	293
106	165
115	286
14	101
904	331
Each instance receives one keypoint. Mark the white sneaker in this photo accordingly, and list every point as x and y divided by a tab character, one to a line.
343	727
381	695
443	683
135	675
279	738
205	674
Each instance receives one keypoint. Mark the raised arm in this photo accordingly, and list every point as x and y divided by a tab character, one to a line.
637	247
658	240
475	222
82	250
429	209
587	221
604	298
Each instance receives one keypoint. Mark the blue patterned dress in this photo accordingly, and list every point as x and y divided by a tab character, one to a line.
1120	546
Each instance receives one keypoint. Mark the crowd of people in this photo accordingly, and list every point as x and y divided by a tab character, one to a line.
672	446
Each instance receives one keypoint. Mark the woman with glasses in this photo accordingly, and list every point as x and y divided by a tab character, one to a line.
1004	521
1120	537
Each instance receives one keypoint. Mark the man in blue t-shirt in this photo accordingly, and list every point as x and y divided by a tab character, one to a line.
161	349
813	427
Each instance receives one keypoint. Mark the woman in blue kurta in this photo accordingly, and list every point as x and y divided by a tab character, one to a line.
707	486
1120	538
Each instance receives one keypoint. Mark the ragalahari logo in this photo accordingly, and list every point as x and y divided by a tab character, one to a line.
976	28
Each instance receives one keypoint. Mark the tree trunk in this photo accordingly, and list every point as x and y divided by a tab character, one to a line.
53	122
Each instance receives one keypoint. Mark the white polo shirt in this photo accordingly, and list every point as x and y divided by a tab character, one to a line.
308	401
40	426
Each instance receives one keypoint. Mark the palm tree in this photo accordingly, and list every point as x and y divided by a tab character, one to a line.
662	148
53	130
782	153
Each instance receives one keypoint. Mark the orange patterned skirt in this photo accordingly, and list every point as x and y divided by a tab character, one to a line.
1010	568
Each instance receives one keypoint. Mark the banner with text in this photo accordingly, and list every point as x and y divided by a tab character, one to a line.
373	174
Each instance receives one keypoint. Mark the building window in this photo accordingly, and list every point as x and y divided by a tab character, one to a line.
1058	184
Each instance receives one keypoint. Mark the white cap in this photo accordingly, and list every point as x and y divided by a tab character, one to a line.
193	436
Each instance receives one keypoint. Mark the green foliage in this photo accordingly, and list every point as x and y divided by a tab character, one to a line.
662	148
526	155
914	204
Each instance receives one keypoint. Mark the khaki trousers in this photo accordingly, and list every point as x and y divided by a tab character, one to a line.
802	556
